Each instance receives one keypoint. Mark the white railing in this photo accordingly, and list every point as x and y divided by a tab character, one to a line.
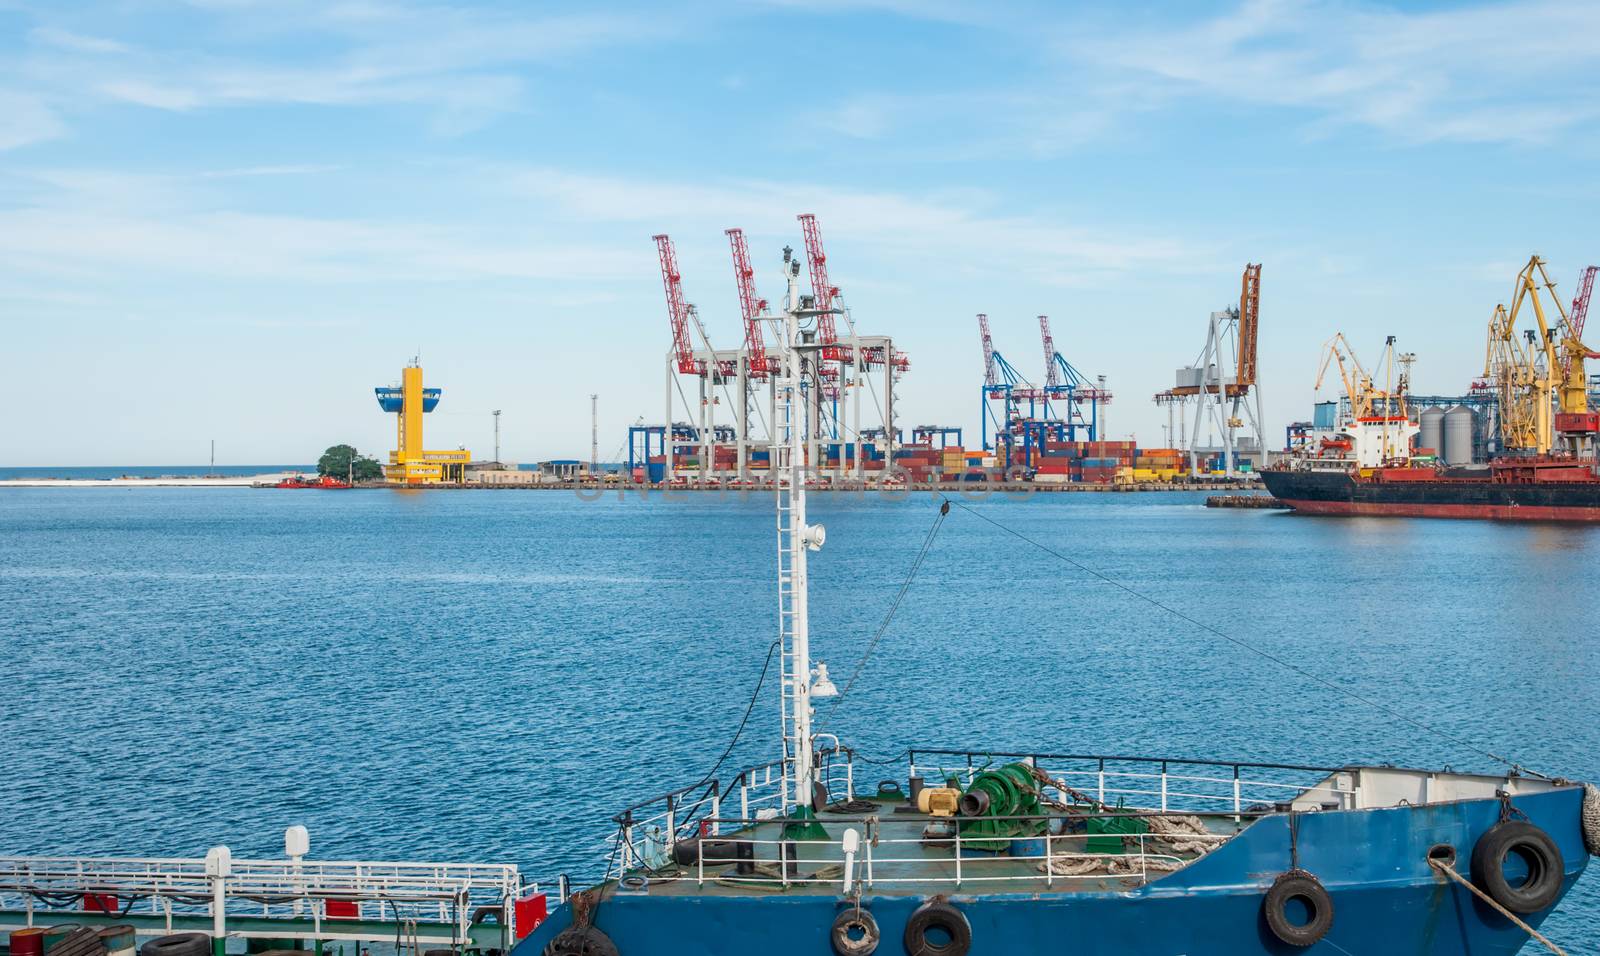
876	860
1167	785
646	831
323	893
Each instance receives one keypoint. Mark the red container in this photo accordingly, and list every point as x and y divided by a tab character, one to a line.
27	942
530	911
341	909
100	903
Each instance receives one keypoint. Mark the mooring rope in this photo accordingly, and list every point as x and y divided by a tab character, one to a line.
1308	675
1450	871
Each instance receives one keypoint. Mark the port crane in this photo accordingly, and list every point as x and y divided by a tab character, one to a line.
712	369
1577	420
1220	395
1065	385
1533	370
1004	384
846	364
751	308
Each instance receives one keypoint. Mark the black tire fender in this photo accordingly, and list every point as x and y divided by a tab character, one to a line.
581	941
1546	870
1302	886
852	921
178	944
938	914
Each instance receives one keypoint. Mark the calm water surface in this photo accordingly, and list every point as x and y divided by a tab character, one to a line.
488	676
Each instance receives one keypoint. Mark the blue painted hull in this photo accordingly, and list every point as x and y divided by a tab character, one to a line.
1386	899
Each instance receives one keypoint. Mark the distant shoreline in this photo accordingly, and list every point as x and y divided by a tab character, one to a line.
151	481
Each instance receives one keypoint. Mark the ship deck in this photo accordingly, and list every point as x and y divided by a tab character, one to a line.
895	859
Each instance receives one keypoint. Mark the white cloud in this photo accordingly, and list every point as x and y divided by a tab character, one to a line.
75	42
152	95
464	64
949	231
25	119
1509	72
551	226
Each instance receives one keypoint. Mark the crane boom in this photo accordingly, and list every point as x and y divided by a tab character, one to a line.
991	375
1249	323
1580	305
823	290
1052	375
677	309
750	305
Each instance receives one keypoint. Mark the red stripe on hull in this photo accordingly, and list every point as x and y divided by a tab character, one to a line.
1498	512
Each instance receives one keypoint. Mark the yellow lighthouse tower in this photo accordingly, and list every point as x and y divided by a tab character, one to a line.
409	463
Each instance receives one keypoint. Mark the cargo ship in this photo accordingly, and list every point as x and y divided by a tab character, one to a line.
1535	488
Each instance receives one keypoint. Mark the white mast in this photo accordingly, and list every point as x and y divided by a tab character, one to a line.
795	538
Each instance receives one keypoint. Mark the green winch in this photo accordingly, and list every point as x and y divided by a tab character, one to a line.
991	798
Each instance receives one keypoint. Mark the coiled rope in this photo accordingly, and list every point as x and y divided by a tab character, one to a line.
1591	819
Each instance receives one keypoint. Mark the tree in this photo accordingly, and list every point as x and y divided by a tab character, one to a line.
342	461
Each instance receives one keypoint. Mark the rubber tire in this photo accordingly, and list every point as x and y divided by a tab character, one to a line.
839	936
1547	869
178	944
587	941
1298	884
943	915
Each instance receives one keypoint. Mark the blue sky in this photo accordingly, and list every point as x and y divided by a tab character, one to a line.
231	219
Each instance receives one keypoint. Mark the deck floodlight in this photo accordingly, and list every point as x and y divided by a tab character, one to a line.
814	536
821	684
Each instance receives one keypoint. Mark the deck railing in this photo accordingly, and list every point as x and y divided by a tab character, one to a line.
866	854
327	896
1154	783
647	831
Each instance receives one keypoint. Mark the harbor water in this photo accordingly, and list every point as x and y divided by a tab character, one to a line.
489	676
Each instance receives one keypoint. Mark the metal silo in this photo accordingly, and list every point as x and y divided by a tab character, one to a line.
1432	422
1460	423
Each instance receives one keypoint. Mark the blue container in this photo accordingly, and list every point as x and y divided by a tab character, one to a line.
1033	846
655	472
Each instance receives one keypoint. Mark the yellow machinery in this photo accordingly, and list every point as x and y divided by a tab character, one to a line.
1379	430
409	463
1367	400
1535	371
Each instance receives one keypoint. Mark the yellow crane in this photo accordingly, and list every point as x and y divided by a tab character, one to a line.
1534	370
1367	400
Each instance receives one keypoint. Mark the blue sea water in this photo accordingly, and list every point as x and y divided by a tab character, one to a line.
489	676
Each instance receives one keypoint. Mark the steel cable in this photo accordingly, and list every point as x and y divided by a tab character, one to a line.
894	606
1392	712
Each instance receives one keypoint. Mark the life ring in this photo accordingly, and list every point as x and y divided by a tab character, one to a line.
945	920
581	941
1305	893
855	933
1518	840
